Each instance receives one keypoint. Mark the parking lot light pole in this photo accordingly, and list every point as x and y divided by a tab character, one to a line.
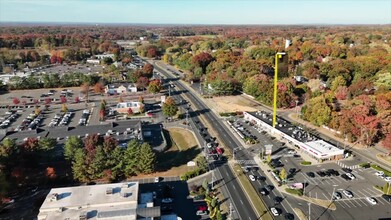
309	211
331	199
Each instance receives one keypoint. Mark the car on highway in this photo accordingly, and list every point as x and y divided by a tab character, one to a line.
351	176
277	200
274	211
311	174
252	177
371	200
337	195
292	170
348	193
269	188
263	191
167	200
379	173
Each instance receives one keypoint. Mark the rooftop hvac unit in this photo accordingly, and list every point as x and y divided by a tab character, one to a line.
83	216
54	197
109	191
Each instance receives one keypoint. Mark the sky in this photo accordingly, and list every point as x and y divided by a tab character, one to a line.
198	11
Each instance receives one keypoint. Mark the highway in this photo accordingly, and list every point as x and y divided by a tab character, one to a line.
225	136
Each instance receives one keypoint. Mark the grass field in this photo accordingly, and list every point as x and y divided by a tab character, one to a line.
181	148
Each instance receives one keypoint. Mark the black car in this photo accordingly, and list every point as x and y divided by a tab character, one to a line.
321	173
292	170
311	174
263	191
333	172
386	197
345	177
289	216
277	200
327	173
347	170
269	187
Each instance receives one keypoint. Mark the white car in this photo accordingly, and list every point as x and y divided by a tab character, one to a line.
157	179
379	173
388	178
274	211
200	212
351	176
347	193
252	177
371	200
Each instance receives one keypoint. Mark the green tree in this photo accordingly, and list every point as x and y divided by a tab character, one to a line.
337	82
131	159
147	159
169	107
71	146
202	163
79	166
205	184
47	144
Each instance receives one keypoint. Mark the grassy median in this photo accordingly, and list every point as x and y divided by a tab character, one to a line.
257	202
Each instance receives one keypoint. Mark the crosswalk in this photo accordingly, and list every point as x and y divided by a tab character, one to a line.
341	164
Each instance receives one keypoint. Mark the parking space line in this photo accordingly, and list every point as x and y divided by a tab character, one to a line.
350	202
337	179
346	204
362	202
373	191
325	196
340	203
361	194
369	193
379	200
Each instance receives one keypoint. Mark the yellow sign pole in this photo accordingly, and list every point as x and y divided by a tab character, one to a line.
275	90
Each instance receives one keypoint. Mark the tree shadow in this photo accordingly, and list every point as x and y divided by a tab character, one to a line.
169	159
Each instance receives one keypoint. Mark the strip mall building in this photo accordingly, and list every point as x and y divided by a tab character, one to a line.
305	142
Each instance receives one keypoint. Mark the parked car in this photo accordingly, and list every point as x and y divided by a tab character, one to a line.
347	193
337	195
310	174
321	173
371	200
379	173
292	170
157	179
345	177
351	176
289	216
386	197
202	212
347	170
274	211
388	178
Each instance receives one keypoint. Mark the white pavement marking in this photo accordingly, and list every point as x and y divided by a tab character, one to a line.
379	200
340	203
325	196
241	202
365	204
373	191
359	192
346	204
350	202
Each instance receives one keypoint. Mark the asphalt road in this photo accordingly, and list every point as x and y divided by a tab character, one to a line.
241	204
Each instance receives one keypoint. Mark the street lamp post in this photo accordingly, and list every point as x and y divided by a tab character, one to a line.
331	199
279	55
309	211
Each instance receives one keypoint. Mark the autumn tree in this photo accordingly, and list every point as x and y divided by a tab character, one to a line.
170	108
202	60
99	88
16	101
148	70
63	99
154	86
142	82
51	173
64	108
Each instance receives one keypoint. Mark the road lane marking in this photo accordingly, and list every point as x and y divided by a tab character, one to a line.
379	200
241	202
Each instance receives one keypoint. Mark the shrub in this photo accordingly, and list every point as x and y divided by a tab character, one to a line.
305	163
376	167
191	174
298	192
364	165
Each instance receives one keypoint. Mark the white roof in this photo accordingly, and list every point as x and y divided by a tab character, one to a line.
93	201
321	149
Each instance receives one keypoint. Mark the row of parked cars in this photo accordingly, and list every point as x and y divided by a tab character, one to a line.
32	122
61	119
10	117
84	117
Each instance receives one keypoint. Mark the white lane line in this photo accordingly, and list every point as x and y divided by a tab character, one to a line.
325	196
241	202
234	187
360	193
366	191
379	200
337	180
360	201
373	191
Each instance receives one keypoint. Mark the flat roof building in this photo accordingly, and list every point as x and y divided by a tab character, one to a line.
304	140
107	202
